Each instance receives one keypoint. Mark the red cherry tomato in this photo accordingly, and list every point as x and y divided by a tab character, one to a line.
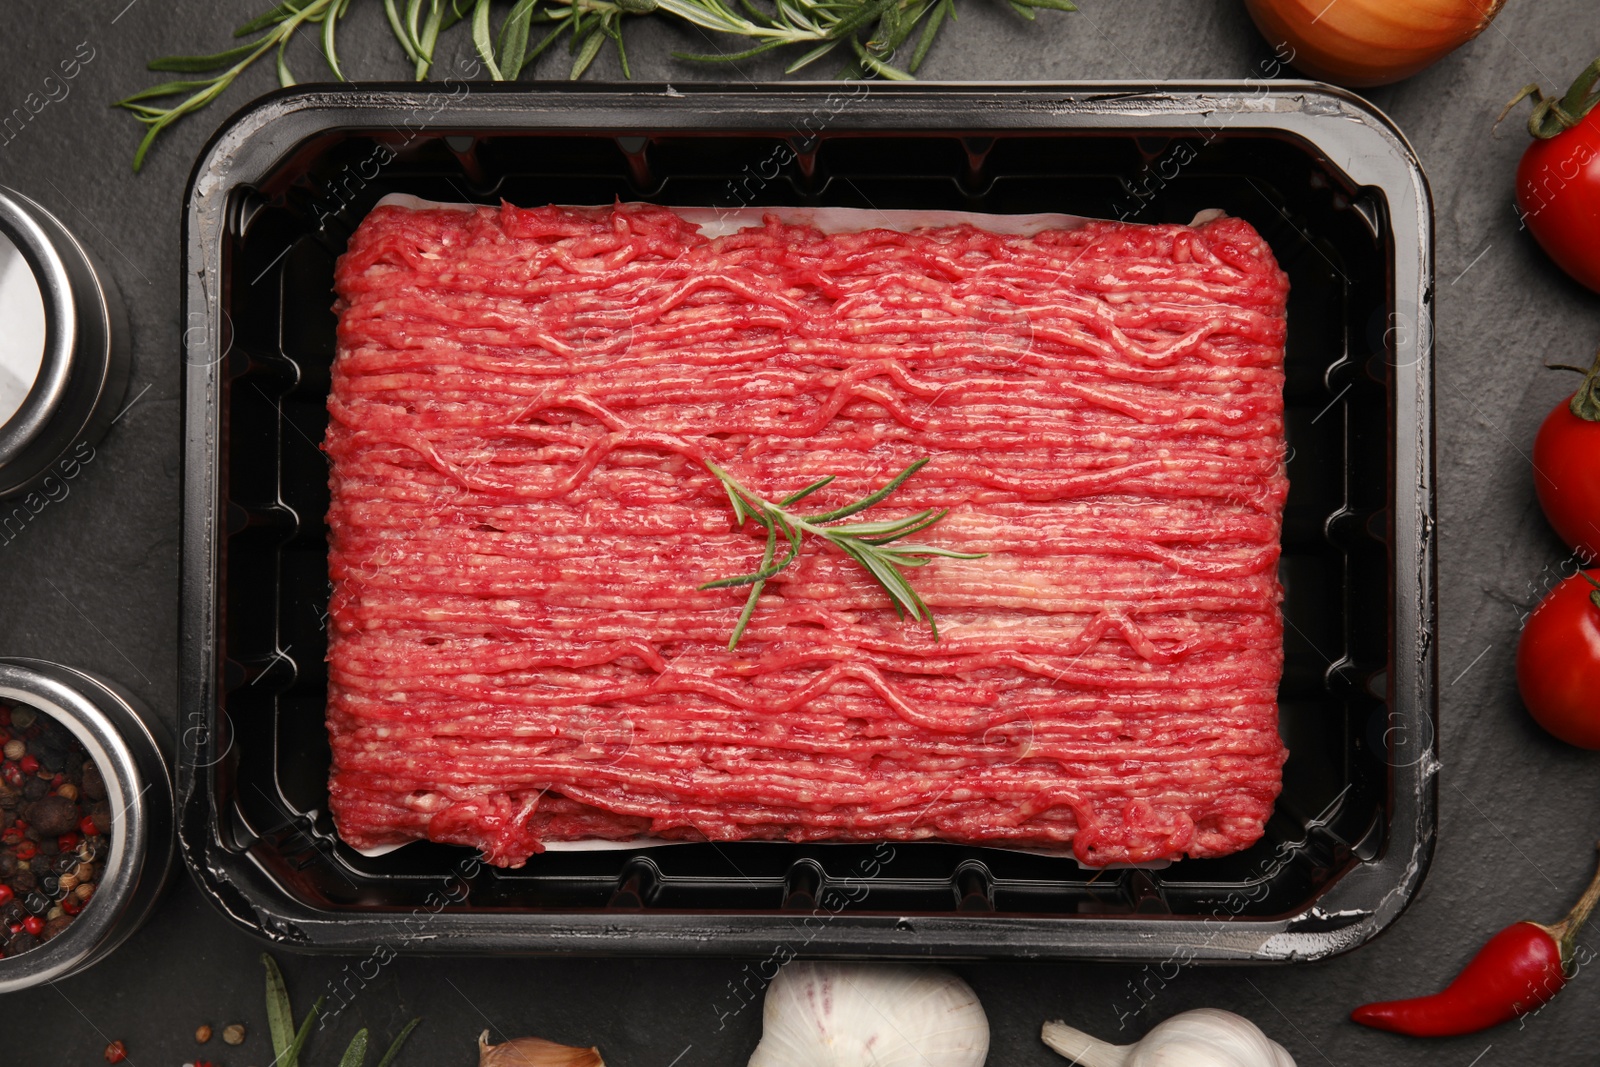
1567	478
1558	192
1558	661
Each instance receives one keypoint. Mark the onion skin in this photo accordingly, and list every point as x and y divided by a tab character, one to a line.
1370	42
535	1052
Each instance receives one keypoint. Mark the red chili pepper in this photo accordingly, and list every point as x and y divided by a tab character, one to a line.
1520	969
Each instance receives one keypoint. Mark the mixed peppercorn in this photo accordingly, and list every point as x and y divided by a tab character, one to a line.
54	822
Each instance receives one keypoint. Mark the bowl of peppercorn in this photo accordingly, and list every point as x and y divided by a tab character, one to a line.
86	833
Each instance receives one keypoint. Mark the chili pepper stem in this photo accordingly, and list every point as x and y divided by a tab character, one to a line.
1565	932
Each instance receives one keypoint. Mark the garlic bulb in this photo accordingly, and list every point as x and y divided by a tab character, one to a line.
535	1052
1204	1037
870	1015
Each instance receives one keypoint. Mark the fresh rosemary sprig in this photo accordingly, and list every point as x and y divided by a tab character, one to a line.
869	34
871	544
288	1041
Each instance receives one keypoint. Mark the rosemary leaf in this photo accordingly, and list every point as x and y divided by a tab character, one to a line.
941	9
394	1047
330	23
271	18
588	48
811	57
293	1058
429	39
483	41
399	29
755	590
729	57
795	498
514	38
285	79
280	1014
200	64
164	89
356	1054
867	501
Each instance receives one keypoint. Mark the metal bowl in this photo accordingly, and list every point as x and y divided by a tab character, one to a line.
113	728
84	371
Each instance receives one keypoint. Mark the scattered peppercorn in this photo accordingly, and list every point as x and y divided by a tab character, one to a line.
202	1033
233	1033
54	819
116	1052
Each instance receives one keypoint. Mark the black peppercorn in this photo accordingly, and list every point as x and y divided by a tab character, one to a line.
34	788
51	816
94	786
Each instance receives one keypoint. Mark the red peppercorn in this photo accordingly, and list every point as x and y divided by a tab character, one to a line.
6	894
67	842
5	716
5	735
12	774
10	836
15	928
71	905
26	849
34	925
29	764
116	1052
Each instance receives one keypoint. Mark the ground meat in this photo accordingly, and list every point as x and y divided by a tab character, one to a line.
522	406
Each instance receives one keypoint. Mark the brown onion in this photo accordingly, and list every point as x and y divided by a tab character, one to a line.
535	1052
1369	42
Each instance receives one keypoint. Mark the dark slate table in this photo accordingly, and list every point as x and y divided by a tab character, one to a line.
93	581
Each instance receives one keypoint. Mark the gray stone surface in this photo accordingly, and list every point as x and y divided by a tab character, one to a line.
93	581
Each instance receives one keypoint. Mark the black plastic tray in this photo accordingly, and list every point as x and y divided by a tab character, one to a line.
1326	179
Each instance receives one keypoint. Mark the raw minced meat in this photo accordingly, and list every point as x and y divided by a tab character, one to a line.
522	406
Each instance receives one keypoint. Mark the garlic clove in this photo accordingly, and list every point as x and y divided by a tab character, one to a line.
535	1052
870	1015
1205	1037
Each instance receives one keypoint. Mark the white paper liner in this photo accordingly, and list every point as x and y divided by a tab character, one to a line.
721	222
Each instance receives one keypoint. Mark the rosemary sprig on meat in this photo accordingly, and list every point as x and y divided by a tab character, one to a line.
870	34
874	545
